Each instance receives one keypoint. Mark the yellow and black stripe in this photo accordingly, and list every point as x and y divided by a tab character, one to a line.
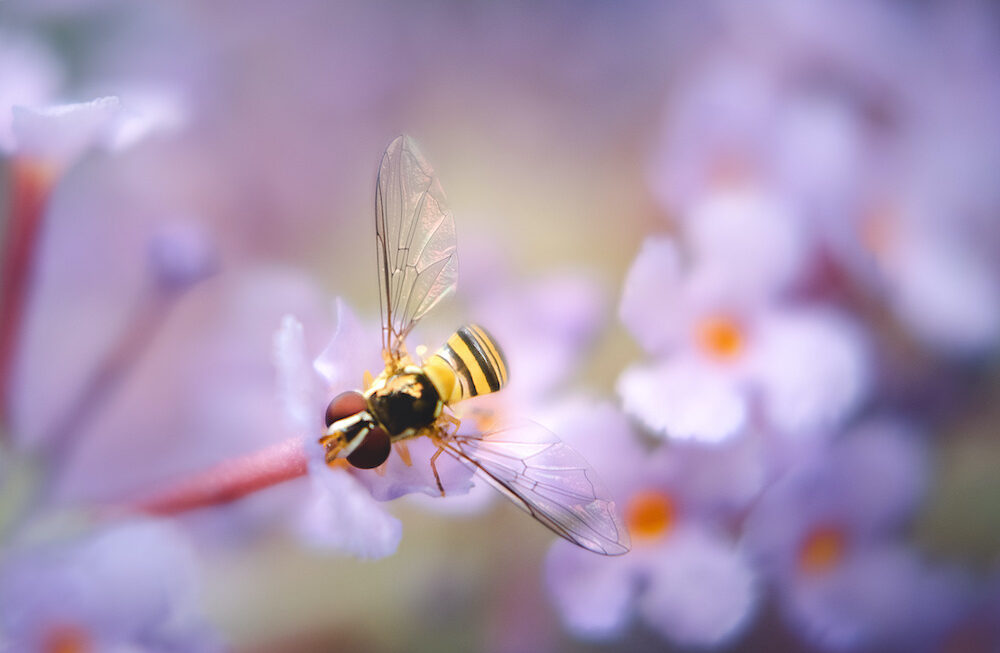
476	361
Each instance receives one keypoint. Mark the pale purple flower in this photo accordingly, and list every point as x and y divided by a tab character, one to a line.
717	350
684	577
129	587
826	536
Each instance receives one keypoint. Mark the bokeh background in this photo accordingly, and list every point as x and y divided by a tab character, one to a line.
746	255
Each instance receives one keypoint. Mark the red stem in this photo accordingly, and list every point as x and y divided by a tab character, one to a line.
30	183
228	481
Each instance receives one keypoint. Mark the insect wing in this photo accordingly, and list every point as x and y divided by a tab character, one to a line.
549	480
415	241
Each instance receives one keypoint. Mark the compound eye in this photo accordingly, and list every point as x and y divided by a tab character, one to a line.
372	451
344	405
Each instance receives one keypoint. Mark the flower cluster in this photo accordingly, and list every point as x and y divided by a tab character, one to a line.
820	249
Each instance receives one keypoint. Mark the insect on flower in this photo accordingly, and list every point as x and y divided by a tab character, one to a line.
417	267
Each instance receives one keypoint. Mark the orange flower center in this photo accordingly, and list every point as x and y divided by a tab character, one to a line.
822	549
67	638
878	231
650	514
721	337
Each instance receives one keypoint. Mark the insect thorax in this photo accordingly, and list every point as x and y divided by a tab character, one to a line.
405	403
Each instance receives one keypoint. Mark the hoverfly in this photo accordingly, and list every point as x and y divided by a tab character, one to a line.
417	268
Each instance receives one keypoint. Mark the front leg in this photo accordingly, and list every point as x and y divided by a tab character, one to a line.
450	424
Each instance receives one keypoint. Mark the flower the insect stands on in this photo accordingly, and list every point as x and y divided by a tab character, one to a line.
344	510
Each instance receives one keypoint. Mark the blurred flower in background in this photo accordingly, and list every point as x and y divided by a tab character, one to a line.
792	208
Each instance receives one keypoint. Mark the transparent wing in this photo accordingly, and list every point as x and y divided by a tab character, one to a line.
547	479
415	239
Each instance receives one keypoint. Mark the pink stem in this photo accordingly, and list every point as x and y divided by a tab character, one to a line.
30	183
227	481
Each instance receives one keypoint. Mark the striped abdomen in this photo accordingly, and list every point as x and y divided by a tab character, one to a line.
469	364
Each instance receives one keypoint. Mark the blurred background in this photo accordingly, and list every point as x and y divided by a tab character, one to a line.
743	256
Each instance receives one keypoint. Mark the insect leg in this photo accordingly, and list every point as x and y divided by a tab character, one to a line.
452	421
437	477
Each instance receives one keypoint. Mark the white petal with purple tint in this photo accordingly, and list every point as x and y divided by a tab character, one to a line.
813	369
947	293
746	241
352	351
684	399
650	297
60	134
703	591
342	515
594	594
296	380
29	76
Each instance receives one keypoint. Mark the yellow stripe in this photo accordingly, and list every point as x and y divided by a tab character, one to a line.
475	373
498	363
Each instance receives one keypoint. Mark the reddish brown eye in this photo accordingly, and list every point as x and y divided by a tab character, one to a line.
372	451
344	405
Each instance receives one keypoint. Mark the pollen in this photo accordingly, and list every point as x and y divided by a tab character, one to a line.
650	514
721	337
822	549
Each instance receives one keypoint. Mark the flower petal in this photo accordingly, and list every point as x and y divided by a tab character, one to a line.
60	134
813	368
594	594
342	515
30	74
652	291
947	293
745	241
296	381
702	590
352	351
684	399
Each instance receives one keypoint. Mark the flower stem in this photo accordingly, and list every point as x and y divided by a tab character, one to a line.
29	184
226	481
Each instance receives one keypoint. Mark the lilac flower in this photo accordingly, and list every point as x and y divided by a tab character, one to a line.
130	587
716	350
826	532
684	576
